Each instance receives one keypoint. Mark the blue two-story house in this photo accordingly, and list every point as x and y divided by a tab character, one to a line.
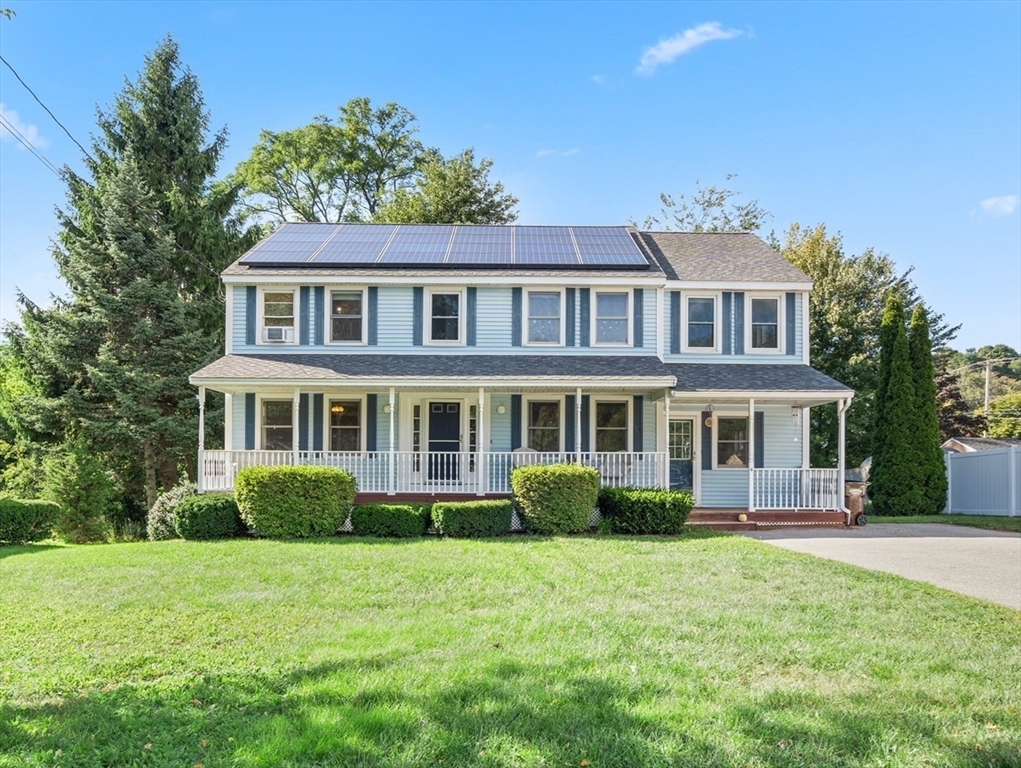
431	360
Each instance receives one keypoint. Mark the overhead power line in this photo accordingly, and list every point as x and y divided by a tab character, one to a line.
23	140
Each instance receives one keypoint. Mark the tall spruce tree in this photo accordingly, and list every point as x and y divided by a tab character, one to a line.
930	455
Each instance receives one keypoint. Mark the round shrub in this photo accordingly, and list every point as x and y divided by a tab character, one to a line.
638	511
208	516
480	519
23	521
398	521
159	523
555	498
294	502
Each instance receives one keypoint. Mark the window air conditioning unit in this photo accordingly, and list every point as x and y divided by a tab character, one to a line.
278	335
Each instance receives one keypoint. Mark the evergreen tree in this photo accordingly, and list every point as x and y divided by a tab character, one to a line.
891	323
931	462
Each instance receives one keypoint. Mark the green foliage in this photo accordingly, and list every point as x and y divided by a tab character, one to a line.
1005	417
454	191
294	502
23	521
159	523
555	498
399	521
638	511
208	516
481	519
932	465
88	495
710	209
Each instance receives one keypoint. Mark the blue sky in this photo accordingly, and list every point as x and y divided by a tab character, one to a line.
898	125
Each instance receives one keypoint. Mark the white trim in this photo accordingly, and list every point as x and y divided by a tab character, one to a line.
525	317
228	337
539	398
362	419
327	313
734	285
629	431
781	326
594	319
717	298
260	311
427	325
806	329
639	385
387	278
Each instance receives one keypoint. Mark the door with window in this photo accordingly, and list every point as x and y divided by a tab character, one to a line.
681	455
444	440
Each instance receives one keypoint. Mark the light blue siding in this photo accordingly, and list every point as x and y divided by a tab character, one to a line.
238	424
396	320
493	320
500	424
649	423
724	488
383	423
783	442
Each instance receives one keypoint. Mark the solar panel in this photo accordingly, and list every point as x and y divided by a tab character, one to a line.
544	246
608	246
481	245
354	244
292	242
418	244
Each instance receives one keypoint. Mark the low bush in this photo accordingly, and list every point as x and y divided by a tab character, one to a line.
555	498
208	516
159	523
24	521
399	521
294	502
479	519
637	511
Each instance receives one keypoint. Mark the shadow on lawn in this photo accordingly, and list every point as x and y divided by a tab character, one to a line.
691	534
26	549
355	714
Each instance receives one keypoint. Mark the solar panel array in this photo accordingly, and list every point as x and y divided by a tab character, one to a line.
446	246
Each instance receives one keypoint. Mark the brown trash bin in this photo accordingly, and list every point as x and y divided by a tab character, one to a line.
854	498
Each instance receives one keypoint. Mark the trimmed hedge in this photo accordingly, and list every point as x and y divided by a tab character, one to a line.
399	521
294	502
480	519
23	520
555	498
208	516
646	511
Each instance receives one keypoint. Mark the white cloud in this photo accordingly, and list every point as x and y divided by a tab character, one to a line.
599	79
572	151
1000	206
28	131
545	152
665	51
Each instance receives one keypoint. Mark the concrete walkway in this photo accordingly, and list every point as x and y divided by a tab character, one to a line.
972	561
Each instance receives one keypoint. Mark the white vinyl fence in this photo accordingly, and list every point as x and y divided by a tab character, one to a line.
985	482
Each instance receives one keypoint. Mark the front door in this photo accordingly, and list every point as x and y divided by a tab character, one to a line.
681	431
444	440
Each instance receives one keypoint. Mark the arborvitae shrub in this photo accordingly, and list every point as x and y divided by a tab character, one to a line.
88	495
208	516
26	520
399	521
159	523
479	519
555	498
644	510
294	502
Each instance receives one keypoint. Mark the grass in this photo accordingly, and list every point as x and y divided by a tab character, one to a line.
702	650
987	522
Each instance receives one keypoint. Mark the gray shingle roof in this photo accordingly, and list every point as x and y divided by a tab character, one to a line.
752	377
984	443
404	367
719	257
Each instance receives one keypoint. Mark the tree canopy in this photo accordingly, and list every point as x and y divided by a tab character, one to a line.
709	209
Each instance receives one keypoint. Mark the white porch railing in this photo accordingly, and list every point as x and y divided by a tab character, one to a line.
796	489
410	472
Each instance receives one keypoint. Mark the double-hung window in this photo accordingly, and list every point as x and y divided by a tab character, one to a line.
278	316
700	323
611	318
277	425
764	324
611	426
444	312
346	314
732	442
544	317
544	425
345	425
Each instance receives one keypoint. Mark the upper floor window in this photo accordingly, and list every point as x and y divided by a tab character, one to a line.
277	425
346	315
345	425
764	324
544	317
611	426
544	425
700	316
445	317
611	318
278	316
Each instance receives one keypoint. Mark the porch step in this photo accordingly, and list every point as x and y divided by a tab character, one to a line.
727	519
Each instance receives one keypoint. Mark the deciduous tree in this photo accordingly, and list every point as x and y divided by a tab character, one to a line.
709	209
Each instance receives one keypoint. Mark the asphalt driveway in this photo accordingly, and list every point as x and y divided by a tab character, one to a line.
975	562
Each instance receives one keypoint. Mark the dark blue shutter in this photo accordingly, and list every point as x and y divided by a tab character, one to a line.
303	422
707	441
515	421
586	299
370	422
249	421
638	416
639	317
317	422
675	322
728	299
570	403
416	312
789	320
320	314
373	318
304	318
569	317
472	309
585	441
738	323
250	301
515	317
760	440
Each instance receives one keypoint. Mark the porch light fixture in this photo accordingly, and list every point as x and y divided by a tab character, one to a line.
501	409
709	418
386	408
796	415
337	408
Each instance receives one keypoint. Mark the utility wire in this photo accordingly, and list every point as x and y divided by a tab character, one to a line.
23	140
84	151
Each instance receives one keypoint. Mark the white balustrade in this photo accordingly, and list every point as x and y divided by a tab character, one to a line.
796	489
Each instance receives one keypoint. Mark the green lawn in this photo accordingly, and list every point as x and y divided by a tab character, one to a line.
988	522
695	651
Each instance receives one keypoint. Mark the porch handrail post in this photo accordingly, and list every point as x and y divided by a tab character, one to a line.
390	490
751	454
295	414
577	424
201	470
842	407
481	465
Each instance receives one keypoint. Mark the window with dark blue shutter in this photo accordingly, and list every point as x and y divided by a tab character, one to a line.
304	314
471	309
675	322
250	310
639	321
418	298
373	316
569	329
585	299
515	422
791	330
249	421
516	318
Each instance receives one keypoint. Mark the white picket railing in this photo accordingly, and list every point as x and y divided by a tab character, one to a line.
796	489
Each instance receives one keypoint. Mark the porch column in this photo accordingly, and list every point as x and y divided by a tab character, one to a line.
842	407
390	467
481	451
665	480
202	438
295	415
806	439
751	454
577	424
